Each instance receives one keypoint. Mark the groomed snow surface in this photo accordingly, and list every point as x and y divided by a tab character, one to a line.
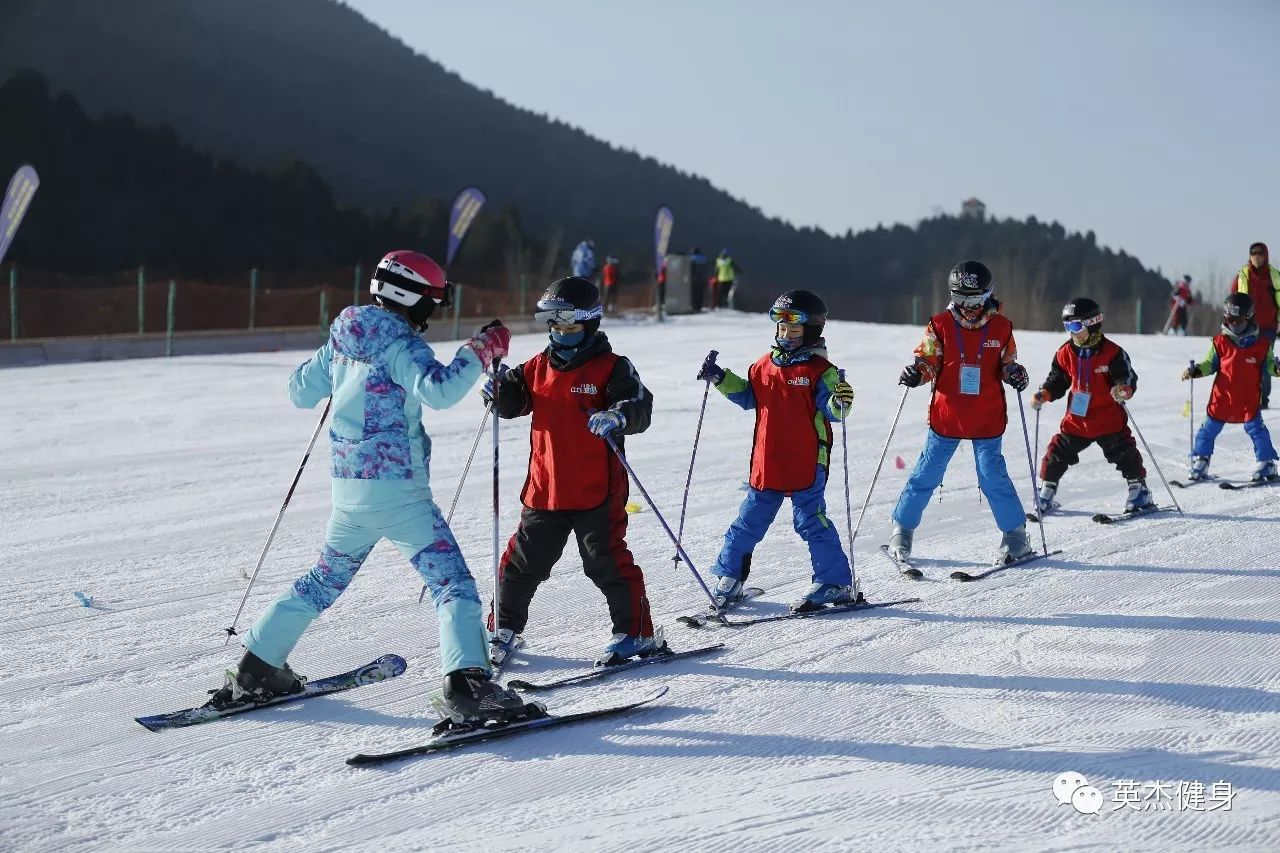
1148	651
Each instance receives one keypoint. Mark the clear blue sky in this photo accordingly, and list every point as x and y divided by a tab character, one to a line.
1155	124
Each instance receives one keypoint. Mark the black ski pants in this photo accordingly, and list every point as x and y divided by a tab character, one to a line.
601	532
1119	448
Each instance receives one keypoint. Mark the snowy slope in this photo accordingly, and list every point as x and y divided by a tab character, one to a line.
1148	651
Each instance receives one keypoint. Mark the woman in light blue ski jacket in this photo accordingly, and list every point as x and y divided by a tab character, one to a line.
380	374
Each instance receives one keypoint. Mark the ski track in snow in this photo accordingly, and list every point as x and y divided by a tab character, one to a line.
1147	651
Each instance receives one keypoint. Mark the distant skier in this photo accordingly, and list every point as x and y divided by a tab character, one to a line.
1097	377
611	278
583	262
967	351
380	375
1180	302
1240	356
726	278
795	392
577	391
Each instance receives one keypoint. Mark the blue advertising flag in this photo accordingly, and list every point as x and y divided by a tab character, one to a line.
465	207
17	197
662	235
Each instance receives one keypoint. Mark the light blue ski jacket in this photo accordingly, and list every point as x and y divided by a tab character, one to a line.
380	375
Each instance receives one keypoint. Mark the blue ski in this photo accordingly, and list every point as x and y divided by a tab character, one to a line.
973	576
385	667
494	731
603	671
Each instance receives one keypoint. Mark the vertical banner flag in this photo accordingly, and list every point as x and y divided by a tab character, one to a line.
661	235
17	197
465	207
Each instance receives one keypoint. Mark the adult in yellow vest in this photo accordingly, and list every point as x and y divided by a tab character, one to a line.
726	278
1262	282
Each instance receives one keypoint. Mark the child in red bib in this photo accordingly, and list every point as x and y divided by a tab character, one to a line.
1097	377
967	352
1240	356
795	392
577	391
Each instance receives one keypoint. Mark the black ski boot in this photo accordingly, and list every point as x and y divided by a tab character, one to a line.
471	697
255	680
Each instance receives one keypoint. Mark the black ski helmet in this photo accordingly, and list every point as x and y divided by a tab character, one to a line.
577	294
1238	306
969	278
1237	313
1082	309
811	305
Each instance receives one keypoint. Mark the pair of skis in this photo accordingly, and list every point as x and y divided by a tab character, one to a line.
910	570
1104	518
1226	484
719	619
391	666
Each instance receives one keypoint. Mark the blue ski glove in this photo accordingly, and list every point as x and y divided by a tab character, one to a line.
1016	375
711	372
603	423
487	391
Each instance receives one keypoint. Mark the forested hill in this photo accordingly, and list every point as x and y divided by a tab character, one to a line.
269	85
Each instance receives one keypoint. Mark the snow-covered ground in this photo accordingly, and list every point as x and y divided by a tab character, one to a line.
1147	652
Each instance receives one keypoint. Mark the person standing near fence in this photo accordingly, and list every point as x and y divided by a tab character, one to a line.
726	277
380	374
1261	282
611	278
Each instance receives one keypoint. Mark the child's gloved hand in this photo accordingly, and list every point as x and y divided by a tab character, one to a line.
843	393
1015	375
491	342
1120	393
910	376
1039	398
603	423
711	372
487	391
1192	372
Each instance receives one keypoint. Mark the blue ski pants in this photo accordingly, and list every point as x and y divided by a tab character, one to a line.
420	533
993	478
809	514
1256	429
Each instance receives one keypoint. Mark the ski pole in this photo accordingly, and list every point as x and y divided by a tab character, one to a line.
684	503
849	510
497	571
231	631
883	452
1191	415
1152	457
1031	465
679	548
457	493
1036	455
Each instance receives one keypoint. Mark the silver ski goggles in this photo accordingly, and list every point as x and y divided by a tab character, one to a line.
1076	326
976	300
558	312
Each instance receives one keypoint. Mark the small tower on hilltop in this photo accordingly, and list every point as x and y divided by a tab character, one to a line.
973	208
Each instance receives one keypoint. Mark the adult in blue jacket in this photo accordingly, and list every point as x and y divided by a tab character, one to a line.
380	374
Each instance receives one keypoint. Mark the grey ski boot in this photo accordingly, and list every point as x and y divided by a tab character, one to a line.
1014	546
900	542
